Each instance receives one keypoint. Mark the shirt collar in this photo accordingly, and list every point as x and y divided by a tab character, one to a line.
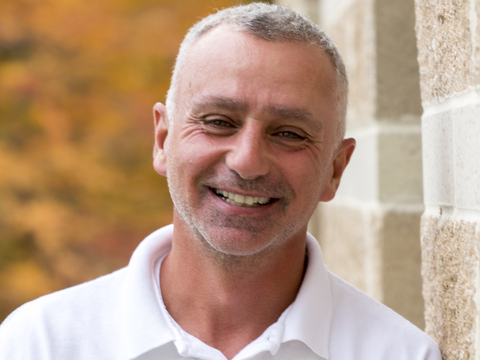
146	324
144	321
310	315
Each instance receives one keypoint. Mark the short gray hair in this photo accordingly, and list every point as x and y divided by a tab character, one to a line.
271	23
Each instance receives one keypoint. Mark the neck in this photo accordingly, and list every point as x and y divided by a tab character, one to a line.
228	301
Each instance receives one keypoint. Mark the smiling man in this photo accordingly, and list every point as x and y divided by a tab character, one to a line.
251	139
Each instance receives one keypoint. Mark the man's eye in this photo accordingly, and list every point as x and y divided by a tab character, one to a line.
218	123
290	135
219	127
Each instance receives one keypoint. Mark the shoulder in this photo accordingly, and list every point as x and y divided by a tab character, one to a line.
61	322
373	330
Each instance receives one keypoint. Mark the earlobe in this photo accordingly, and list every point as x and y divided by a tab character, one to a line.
339	163
161	132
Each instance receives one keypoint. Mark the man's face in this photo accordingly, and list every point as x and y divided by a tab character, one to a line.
250	149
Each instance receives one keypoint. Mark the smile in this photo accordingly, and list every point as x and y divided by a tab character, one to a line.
241	200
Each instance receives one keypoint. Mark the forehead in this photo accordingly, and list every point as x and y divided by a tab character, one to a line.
222	41
230	64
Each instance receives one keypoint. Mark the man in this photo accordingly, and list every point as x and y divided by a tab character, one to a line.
251	139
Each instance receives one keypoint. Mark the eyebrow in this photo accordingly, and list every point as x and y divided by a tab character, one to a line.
299	114
220	102
289	112
277	111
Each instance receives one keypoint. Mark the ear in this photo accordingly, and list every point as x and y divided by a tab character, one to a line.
161	132
340	161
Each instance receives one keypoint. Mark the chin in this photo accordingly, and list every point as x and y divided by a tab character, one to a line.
238	243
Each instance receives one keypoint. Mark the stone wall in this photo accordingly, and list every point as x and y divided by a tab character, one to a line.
370	232
449	58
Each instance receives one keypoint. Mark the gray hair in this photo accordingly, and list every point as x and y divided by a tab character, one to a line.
271	23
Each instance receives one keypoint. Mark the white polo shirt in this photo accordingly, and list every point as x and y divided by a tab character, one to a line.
122	316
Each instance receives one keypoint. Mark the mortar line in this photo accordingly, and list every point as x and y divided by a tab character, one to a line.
468	98
452	212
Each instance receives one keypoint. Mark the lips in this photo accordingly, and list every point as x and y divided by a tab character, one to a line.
241	200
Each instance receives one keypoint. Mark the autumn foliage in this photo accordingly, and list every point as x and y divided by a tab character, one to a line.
78	80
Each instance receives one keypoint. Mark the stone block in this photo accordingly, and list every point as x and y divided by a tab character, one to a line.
360	179
396	60
467	157
450	271
445	48
438	159
400	165
386	166
354	35
401	259
331	11
342	238
475	19
451	159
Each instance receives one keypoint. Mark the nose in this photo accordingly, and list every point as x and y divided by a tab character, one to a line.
248	155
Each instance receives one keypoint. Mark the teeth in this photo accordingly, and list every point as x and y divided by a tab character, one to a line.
263	200
241	200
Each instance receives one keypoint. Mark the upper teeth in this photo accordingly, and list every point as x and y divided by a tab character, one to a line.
238	199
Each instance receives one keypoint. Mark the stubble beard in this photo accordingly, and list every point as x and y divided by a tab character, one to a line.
213	229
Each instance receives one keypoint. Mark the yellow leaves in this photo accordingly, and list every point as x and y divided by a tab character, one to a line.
14	75
53	121
25	280
47	219
10	27
15	172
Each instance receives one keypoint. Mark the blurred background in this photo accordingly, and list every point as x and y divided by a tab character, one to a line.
77	84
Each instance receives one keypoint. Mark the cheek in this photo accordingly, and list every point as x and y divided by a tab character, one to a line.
306	176
202	152
186	164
